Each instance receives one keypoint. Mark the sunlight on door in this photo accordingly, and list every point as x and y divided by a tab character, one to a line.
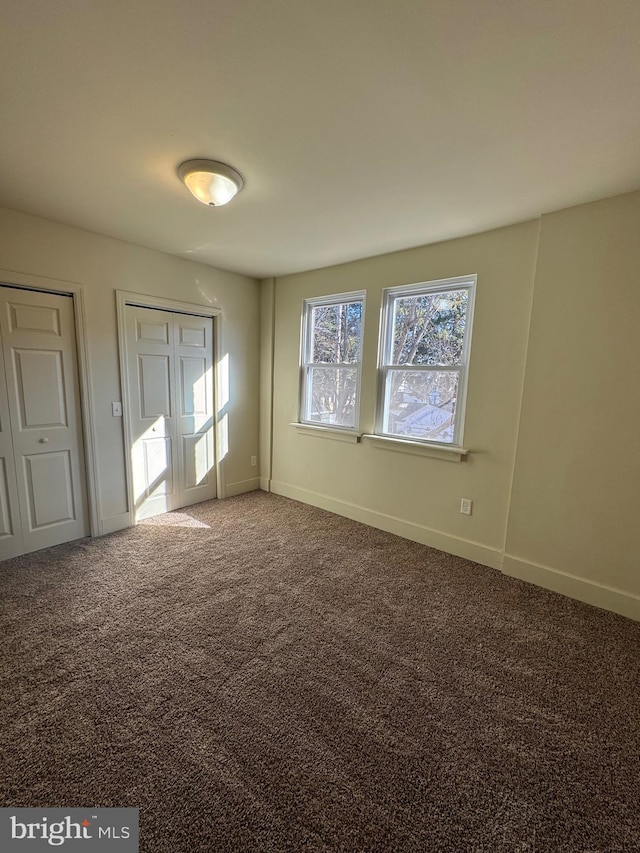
151	457
196	405
152	451
171	413
223	402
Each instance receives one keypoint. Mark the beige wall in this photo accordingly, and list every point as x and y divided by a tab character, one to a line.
576	491
50	251
417	496
553	410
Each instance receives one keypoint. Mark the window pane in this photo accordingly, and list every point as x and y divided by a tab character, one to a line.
421	404
332	395
429	329
335	333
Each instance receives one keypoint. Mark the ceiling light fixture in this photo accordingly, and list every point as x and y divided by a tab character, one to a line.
210	182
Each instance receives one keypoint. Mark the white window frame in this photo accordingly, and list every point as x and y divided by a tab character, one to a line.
467	282
306	339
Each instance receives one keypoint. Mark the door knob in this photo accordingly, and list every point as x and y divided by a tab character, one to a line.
43	440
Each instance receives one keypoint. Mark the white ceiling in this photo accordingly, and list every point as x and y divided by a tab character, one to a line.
360	126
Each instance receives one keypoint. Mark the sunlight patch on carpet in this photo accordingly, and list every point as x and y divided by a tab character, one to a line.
174	519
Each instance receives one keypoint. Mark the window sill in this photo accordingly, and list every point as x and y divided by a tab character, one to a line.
403	445
328	432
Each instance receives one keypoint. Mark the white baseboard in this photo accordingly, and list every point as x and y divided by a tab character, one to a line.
407	529
599	595
265	484
243	486
116	522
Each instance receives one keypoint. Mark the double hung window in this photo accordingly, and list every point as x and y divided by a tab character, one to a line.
331	360
424	356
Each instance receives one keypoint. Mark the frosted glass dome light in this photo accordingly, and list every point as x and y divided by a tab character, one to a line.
210	182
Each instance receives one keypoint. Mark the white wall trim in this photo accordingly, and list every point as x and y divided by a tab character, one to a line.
76	291
242	486
416	448
591	592
319	431
90	444
143	300
265	484
116	522
407	529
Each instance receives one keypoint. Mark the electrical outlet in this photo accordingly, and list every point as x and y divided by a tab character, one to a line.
466	505
116	410
254	460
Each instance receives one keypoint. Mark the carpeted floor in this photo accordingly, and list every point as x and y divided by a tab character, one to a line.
259	675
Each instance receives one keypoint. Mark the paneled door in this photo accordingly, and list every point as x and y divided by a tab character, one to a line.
170	406
10	524
42	478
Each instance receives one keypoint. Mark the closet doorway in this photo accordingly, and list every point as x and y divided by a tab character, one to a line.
169	406
43	496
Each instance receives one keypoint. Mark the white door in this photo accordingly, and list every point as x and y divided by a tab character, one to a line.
194	407
170	403
10	526
40	402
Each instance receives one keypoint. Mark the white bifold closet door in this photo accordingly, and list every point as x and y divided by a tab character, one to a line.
170	399
42	479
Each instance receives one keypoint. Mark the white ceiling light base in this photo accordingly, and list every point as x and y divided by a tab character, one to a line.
210	182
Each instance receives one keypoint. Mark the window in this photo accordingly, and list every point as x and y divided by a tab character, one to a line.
331	360
423	361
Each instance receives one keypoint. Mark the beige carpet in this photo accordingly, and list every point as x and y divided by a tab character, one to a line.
259	675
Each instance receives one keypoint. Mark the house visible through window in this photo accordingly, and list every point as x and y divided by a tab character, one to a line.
331	360
424	356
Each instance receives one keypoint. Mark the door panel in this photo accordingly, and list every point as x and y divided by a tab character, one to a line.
43	409
11	532
34	318
170	390
150	391
39	388
193	386
197	460
190	337
6	525
153	332
155	387
49	489
158	470
194	423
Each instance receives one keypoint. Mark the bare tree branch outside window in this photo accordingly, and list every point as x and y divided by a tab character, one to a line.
332	363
